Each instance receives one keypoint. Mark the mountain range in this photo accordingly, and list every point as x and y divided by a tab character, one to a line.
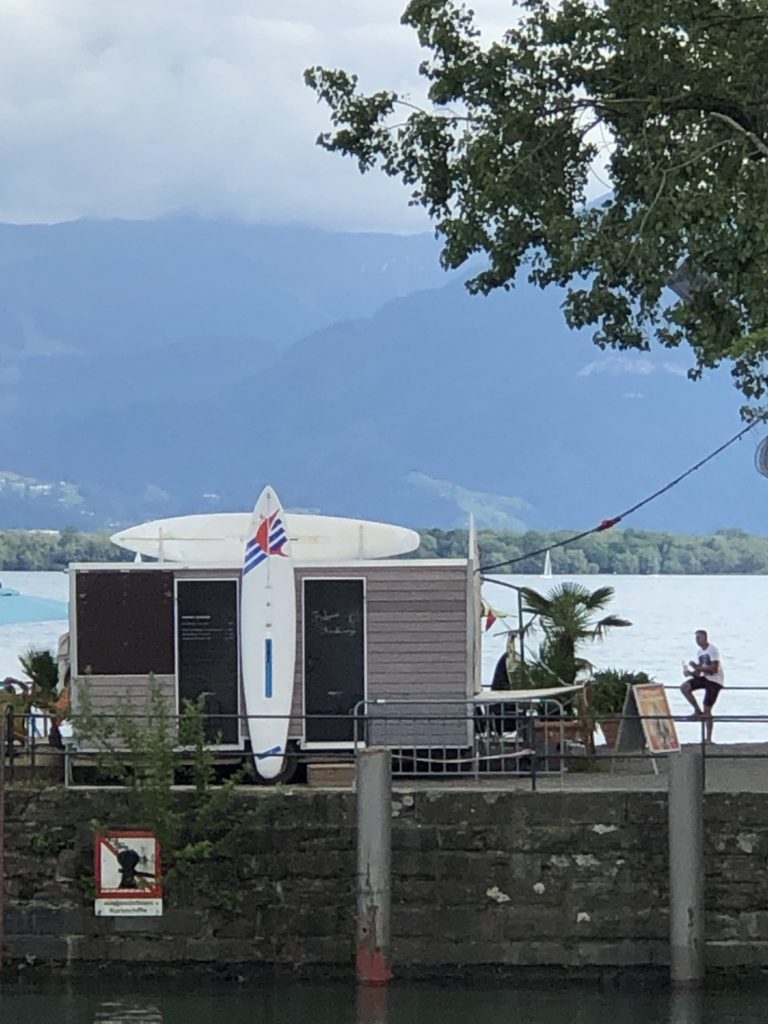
174	366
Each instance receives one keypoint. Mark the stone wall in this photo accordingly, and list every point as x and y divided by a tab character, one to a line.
482	878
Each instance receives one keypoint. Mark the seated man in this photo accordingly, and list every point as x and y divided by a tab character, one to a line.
705	673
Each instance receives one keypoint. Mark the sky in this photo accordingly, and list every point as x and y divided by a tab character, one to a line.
139	108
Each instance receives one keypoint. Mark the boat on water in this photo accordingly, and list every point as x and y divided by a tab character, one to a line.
547	574
8	591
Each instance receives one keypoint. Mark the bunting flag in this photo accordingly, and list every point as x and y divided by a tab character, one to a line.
490	614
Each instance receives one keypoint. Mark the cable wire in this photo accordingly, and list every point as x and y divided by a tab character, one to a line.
606	524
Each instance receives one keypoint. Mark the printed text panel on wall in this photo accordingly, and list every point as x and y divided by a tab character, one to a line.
208	658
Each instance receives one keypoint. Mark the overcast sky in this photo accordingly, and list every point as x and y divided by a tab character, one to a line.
135	108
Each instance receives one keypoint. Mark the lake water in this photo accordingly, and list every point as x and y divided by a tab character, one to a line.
296	1003
38	590
665	611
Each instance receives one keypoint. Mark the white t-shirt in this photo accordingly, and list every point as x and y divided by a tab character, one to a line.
707	656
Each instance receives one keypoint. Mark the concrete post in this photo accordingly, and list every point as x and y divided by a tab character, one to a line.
374	855
686	870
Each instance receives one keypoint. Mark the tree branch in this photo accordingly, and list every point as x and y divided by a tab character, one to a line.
757	142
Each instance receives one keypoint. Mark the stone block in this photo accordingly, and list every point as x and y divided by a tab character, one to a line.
626	953
182	921
413	865
742	811
409	837
44	920
742	869
149	926
336	950
438	953
572	809
737	954
45	948
748	926
464	838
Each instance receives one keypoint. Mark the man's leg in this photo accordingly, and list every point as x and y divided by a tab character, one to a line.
713	692
709	721
687	692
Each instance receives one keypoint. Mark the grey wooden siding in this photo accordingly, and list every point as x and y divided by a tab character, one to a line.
420	628
111	694
418	644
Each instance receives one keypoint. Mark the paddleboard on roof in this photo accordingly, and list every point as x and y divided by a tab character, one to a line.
218	538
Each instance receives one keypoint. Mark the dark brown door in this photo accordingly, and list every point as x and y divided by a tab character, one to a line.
334	657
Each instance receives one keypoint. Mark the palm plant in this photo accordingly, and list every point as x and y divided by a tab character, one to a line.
567	616
41	669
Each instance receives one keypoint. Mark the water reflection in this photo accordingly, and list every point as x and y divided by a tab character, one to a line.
132	1001
686	1008
372	1004
122	1012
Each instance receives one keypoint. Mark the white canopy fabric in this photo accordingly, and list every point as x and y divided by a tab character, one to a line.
504	696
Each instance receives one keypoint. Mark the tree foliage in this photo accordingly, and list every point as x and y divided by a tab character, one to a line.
673	92
626	552
38	550
568	617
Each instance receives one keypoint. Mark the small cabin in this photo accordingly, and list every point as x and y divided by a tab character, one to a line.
369	634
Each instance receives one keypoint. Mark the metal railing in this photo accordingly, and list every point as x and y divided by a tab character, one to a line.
428	738
476	737
480	738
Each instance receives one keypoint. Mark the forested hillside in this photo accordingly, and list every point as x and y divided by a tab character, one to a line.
616	551
48	550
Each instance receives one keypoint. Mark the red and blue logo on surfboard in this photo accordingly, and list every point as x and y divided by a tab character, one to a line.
270	539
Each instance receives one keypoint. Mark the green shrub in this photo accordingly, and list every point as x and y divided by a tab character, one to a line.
608	690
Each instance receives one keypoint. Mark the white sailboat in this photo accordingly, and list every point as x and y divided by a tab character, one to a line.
547	574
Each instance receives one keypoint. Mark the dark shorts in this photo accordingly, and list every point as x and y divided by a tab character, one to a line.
711	688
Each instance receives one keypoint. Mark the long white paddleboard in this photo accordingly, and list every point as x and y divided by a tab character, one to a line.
268	633
218	538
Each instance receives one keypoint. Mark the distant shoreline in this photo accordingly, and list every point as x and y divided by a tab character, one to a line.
626	552
621	552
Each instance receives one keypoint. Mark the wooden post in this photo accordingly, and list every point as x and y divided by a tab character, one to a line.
374	827
686	870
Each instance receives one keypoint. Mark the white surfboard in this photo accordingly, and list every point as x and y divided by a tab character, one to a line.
218	538
268	633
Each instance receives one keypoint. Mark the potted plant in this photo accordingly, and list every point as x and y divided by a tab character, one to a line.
607	693
569	618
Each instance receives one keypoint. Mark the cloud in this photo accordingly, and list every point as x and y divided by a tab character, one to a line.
626	364
135	108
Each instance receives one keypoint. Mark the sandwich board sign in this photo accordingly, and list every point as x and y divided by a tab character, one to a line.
647	721
128	875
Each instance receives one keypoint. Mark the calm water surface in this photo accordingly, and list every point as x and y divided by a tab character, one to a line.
17	637
307	1004
665	612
